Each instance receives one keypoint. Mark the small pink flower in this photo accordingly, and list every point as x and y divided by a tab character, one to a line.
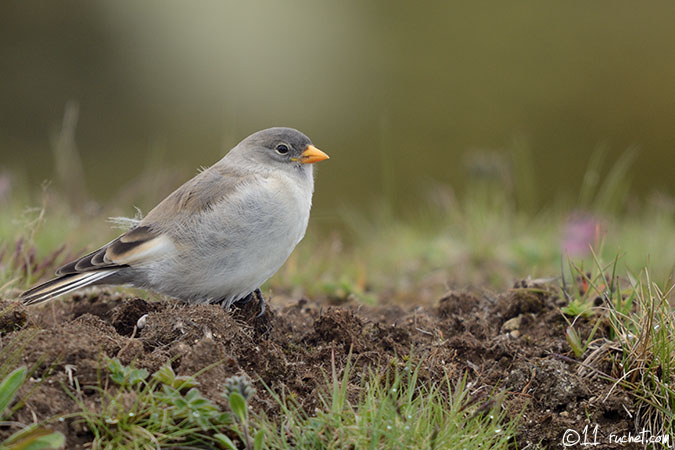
580	233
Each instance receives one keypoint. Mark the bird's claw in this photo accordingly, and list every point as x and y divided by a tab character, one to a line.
261	302
255	295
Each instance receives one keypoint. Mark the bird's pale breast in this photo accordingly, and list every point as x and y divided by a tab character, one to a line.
239	243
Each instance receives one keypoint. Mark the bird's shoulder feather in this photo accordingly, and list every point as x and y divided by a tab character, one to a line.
196	196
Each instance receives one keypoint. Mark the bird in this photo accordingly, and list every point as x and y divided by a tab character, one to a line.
218	237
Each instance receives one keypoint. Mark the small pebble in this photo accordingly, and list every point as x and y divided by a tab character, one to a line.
513	323
140	324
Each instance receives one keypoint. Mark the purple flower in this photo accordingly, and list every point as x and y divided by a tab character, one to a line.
580	233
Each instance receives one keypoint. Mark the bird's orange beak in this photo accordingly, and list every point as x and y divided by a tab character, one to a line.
312	155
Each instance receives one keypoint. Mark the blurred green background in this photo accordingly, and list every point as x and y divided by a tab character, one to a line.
398	93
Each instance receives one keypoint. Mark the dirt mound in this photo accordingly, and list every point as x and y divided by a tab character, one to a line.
512	344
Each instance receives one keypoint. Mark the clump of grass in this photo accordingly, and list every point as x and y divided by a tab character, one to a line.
144	411
643	359
392	411
638	351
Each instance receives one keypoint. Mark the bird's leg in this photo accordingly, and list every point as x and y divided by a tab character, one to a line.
261	302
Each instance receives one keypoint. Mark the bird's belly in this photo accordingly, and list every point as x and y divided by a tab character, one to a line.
237	271
232	258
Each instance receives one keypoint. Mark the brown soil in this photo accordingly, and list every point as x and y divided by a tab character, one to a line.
512	344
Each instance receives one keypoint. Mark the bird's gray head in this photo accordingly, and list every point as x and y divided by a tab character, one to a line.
278	148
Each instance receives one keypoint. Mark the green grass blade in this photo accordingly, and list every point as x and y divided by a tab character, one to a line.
9	387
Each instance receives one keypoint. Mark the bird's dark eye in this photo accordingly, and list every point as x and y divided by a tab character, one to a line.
282	149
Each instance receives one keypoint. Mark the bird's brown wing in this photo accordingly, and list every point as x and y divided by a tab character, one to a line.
133	246
151	237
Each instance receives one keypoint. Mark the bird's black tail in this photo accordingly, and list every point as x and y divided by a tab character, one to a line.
63	285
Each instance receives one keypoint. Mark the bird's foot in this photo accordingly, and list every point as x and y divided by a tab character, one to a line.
253	296
261	302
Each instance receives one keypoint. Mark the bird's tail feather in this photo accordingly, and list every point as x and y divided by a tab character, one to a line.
63	285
